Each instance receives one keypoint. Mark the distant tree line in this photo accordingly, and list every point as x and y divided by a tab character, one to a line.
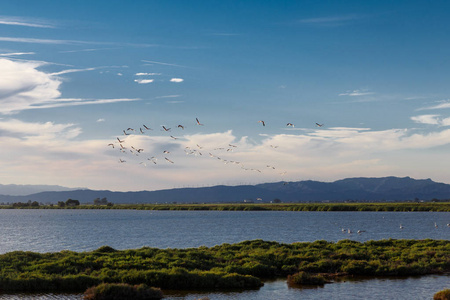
102	201
26	204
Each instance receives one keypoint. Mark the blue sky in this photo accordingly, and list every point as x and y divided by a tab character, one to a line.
75	74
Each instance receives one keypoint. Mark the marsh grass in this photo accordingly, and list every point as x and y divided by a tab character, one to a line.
243	265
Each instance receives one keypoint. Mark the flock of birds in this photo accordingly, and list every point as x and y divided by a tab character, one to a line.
139	154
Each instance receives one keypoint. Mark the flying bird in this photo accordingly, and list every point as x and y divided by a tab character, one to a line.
319	125
120	140
168	160
125	133
290	124
173	137
165	151
198	122
165	129
147	127
121	160
112	145
140	129
129	128
180	126
263	123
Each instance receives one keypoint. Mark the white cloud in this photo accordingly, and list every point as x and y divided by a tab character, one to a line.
23	86
42	41
119	74
426	119
147	74
442	105
17	53
445	122
143	81
321	154
168	96
20	21
100	120
71	71
356	93
176	80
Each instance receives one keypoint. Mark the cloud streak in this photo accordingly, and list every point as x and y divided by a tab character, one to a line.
163	63
144	81
20	21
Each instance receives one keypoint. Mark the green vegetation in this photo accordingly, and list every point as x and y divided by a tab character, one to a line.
110	291
305	278
382	206
442	295
242	265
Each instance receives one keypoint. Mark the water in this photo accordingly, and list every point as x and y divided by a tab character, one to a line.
85	230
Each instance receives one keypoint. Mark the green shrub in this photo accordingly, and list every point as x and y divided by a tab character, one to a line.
113	291
442	295
306	279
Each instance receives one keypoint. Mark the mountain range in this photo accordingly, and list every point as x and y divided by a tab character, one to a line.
355	189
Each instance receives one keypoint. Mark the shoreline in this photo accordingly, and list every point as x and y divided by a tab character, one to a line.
375	207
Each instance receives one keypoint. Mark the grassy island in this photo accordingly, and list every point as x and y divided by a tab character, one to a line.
242	265
378	206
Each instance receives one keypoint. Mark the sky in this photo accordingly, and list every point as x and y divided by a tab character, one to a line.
252	91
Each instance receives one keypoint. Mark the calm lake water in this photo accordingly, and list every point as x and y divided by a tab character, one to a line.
85	230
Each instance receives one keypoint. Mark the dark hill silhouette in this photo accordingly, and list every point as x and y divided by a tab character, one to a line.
357	189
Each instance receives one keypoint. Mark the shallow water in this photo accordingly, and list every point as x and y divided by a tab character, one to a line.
85	230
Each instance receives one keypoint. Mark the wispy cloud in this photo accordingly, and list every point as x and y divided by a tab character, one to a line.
43	41
72	71
17	53
332	20
442	105
148	74
163	63
100	120
426	119
86	50
168	96
223	34
176	80
144	81
356	93
20	21
24	87
431	120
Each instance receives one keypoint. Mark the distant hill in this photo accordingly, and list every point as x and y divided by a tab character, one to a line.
23	190
357	189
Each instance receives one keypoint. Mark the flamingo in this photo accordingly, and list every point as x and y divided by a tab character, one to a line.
290	124
319	125
165	129
263	123
198	122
